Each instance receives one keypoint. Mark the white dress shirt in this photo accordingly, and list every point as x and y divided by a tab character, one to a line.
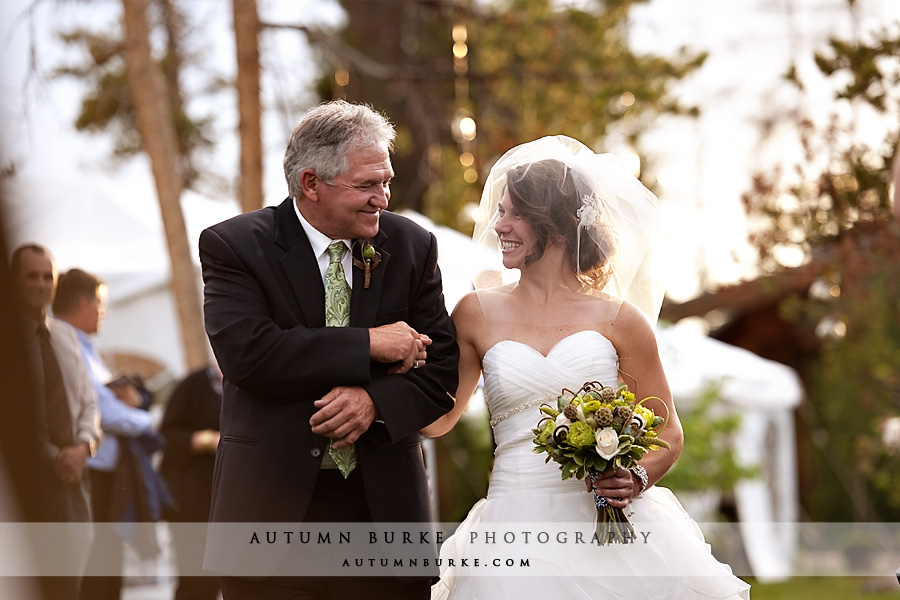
320	242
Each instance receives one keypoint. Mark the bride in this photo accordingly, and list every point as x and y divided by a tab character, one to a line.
581	232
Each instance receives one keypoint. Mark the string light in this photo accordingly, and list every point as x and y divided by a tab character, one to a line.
467	128
460	33
464	127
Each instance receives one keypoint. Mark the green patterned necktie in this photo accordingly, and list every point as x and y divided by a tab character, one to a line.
337	314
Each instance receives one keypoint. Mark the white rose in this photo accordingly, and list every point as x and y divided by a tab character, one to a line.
607	442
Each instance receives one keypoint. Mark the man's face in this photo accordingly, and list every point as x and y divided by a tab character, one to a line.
351	205
37	281
94	310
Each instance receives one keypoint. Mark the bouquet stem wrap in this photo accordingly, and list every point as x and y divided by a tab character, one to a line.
613	527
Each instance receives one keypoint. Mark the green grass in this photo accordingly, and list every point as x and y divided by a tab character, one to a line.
826	588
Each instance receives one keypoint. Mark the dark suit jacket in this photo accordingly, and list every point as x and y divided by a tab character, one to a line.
264	306
193	406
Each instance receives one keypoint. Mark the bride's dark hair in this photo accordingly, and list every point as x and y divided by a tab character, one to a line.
544	193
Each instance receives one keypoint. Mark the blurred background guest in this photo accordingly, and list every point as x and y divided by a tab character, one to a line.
191	428
81	302
67	416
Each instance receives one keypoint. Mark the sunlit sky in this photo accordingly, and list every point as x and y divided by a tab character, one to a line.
704	165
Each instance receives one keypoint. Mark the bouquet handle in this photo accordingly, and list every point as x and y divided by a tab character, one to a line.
613	527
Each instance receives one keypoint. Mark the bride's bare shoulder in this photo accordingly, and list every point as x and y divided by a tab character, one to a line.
497	291
614	317
478	302
466	306
599	307
468	312
631	321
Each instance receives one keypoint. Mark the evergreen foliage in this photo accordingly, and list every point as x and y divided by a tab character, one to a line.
835	208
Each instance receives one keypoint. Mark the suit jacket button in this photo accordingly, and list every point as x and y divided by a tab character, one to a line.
315	453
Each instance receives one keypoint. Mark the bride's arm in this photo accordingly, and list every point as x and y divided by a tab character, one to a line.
468	318
642	370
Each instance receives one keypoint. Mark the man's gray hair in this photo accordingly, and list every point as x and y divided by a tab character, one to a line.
326	134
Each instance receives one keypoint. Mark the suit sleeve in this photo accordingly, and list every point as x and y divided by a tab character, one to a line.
411	401
256	353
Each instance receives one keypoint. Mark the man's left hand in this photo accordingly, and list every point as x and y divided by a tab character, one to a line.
344	414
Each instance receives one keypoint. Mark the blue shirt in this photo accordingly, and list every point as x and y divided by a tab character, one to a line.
116	417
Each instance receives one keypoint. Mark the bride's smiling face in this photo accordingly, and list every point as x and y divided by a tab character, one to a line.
517	238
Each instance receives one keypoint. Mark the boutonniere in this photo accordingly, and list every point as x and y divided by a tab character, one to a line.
370	259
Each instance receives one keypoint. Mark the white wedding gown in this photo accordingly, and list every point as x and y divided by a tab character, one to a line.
527	498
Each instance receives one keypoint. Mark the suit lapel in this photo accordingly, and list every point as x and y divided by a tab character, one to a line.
364	302
300	266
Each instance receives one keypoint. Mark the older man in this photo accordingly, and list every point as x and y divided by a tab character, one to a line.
326	315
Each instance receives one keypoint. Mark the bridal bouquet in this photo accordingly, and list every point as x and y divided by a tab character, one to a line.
596	428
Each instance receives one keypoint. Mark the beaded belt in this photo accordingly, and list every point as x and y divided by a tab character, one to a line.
514	411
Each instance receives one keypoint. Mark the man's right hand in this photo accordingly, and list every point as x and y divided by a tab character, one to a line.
70	463
398	343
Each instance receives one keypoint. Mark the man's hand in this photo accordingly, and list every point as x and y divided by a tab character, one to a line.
70	463
205	441
128	394
344	414
398	343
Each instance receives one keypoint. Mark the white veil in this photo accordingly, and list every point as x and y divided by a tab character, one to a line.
617	214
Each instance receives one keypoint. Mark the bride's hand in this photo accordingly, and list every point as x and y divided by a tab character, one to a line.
416	358
617	486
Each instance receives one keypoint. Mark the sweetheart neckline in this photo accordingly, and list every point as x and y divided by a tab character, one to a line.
552	348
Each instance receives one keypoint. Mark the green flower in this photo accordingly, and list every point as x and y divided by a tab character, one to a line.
580	434
546	433
591	406
549	410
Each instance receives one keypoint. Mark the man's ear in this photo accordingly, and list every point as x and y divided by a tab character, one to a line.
309	184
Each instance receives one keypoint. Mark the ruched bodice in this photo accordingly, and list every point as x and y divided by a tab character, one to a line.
517	379
527	495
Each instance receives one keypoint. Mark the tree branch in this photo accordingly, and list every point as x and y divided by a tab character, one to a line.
365	65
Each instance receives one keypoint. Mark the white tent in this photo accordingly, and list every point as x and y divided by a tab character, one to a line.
458	258
765	394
